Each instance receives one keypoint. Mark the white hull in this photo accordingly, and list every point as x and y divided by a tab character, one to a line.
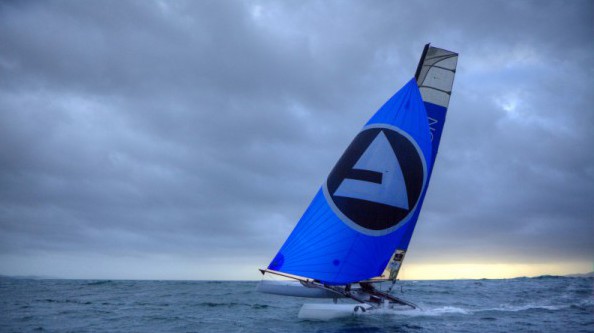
327	311
293	288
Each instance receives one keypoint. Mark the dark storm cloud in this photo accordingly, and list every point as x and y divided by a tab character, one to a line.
202	129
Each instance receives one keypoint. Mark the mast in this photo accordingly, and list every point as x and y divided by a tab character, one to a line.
421	60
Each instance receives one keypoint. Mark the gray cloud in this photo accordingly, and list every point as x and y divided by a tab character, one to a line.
203	129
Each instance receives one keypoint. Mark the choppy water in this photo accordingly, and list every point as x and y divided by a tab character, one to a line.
545	304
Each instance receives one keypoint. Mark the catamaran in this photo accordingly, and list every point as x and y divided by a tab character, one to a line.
357	229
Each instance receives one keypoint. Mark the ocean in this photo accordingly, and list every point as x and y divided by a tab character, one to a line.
543	304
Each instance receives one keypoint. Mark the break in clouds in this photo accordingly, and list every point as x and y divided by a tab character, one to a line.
199	131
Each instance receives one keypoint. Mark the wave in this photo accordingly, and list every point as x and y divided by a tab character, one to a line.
214	304
64	301
452	310
440	311
531	306
444	310
100	283
233	304
526	307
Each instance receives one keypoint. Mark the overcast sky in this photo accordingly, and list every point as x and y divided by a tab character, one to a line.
184	139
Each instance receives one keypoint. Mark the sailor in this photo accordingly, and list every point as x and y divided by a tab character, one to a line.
367	287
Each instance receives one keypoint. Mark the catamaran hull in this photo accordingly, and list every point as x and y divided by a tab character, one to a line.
331	311
293	288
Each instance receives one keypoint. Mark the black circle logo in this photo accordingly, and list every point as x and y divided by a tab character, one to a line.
377	183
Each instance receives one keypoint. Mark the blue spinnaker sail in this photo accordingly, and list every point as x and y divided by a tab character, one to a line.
360	216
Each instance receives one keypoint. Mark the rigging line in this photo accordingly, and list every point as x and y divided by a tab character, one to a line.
422	61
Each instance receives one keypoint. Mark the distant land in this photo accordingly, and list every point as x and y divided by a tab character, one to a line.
28	277
591	274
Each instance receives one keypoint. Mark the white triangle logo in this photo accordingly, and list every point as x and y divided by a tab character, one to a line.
379	157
